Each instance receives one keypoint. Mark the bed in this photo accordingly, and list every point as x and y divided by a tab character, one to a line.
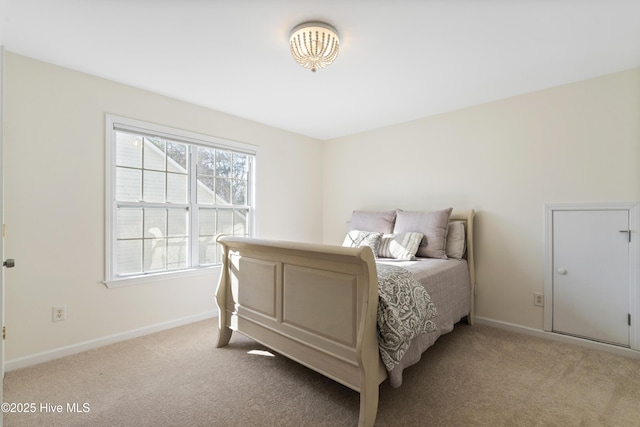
318	304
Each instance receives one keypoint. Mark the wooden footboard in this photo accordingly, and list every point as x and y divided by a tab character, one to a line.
315	304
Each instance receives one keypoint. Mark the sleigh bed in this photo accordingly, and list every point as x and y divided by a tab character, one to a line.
319	304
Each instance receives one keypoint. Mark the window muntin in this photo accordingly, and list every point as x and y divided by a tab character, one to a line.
171	195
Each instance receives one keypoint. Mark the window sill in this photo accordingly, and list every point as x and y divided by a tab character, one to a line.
158	277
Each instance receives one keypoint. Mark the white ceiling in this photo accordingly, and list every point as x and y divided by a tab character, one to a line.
400	60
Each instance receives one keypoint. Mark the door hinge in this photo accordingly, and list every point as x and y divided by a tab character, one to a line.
4	332
629	319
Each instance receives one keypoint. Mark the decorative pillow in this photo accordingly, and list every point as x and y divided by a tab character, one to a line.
400	246
432	224
358	238
456	240
381	222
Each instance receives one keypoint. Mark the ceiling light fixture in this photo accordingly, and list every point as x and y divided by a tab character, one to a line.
314	44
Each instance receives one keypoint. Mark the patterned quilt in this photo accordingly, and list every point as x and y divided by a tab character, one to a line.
405	311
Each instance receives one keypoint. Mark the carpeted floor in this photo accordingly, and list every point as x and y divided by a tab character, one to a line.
474	376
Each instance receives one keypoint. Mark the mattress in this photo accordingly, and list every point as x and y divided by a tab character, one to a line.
448	284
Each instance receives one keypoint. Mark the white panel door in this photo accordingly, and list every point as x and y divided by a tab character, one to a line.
591	274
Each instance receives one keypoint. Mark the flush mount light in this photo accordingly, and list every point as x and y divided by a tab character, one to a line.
314	44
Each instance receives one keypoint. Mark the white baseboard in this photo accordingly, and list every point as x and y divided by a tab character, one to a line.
45	356
594	345
34	359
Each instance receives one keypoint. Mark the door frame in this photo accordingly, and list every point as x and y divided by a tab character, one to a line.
1	226
634	262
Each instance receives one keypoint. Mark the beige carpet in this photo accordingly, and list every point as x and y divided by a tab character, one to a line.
474	376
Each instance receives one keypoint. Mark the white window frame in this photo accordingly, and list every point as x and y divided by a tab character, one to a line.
120	123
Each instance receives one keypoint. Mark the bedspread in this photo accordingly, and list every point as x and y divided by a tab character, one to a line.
405	310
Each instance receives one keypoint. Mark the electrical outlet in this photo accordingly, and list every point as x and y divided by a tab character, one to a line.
538	299
59	313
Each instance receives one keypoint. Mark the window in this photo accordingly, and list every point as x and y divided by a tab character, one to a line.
169	193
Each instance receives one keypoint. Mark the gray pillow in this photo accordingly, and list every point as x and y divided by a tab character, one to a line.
433	225
381	222
456	240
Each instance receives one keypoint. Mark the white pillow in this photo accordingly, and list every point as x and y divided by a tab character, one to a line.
358	238
400	246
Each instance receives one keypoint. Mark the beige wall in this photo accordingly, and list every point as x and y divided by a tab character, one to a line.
506	159
55	209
